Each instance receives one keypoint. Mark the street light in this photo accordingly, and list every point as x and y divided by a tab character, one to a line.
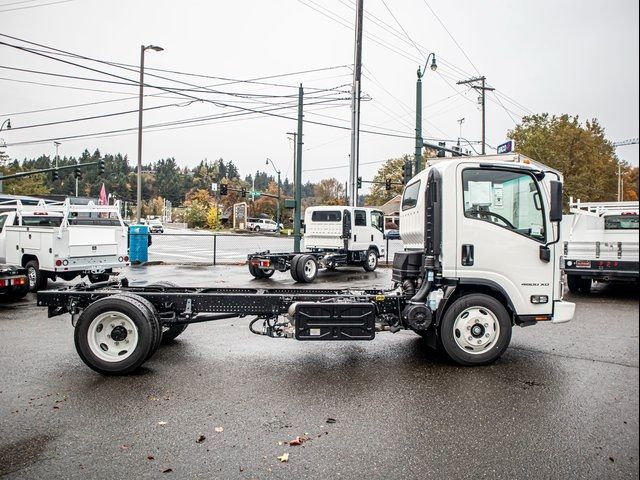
278	201
419	142
143	49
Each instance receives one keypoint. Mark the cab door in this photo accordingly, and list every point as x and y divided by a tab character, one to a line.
360	231
501	226
377	230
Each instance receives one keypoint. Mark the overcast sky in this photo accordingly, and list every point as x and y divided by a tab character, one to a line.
577	57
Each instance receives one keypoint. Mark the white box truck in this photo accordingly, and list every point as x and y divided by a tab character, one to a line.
60	240
600	243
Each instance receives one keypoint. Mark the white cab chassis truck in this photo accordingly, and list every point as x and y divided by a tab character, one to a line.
482	254
334	236
60	240
600	243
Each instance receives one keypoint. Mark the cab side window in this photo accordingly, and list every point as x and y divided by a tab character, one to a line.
3	219
377	220
360	218
508	199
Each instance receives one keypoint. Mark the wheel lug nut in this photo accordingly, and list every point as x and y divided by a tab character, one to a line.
129	331
112	325
487	335
117	343
479	342
471	339
486	325
108	336
468	327
122	323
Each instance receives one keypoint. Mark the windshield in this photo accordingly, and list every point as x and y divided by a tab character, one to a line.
154	222
621	222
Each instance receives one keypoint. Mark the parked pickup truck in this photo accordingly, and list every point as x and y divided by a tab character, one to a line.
600	243
52	240
13	282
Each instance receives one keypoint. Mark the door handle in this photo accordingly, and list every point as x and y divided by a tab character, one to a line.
467	255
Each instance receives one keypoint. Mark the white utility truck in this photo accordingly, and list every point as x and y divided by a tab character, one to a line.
600	243
482	254
334	236
60	240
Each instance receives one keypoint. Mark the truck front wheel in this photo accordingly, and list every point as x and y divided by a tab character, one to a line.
37	278
371	261
475	330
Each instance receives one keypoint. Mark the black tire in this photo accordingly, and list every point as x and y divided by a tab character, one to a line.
257	228
307	268
370	260
169	334
253	270
294	267
578	284
18	292
37	278
487	322
98	277
153	317
136	313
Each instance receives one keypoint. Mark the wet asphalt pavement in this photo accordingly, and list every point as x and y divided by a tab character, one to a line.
561	403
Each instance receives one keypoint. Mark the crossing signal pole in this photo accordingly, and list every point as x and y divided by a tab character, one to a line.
482	88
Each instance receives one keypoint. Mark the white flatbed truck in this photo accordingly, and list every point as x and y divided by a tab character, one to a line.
600	244
482	255
334	236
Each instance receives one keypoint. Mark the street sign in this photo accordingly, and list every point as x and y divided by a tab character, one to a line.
506	147
254	195
214	187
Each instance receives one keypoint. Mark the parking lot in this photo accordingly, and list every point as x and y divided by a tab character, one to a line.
221	402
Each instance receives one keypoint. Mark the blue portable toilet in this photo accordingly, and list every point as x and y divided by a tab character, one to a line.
139	243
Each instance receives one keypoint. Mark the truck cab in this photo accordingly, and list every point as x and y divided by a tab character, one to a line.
357	230
481	234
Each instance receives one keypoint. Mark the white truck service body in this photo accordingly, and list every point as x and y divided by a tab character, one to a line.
54	240
600	243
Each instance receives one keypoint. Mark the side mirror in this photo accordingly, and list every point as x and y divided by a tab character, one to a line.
555	214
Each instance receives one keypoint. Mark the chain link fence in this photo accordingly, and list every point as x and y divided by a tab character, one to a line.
208	248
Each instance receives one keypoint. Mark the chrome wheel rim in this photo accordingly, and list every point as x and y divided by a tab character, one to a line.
476	330
112	336
372	260
310	269
32	274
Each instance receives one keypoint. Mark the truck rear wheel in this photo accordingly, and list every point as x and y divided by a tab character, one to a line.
153	315
370	261
17	292
578	284
294	267
475	330
37	278
307	269
257	272
114	335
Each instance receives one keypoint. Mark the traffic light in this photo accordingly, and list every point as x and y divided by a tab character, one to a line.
407	171
387	184
457	151
359	182
243	192
224	189
101	167
55	175
441	152
77	173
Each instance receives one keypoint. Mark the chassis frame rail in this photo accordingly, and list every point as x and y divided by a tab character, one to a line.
188	303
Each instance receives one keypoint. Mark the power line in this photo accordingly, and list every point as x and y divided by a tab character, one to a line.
34	6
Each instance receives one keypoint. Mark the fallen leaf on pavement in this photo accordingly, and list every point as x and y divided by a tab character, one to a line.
296	441
150	457
219	429
124	446
167	470
331	420
284	458
201	439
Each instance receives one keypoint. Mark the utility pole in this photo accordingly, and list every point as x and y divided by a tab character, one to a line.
354	159
298	175
57	144
482	88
